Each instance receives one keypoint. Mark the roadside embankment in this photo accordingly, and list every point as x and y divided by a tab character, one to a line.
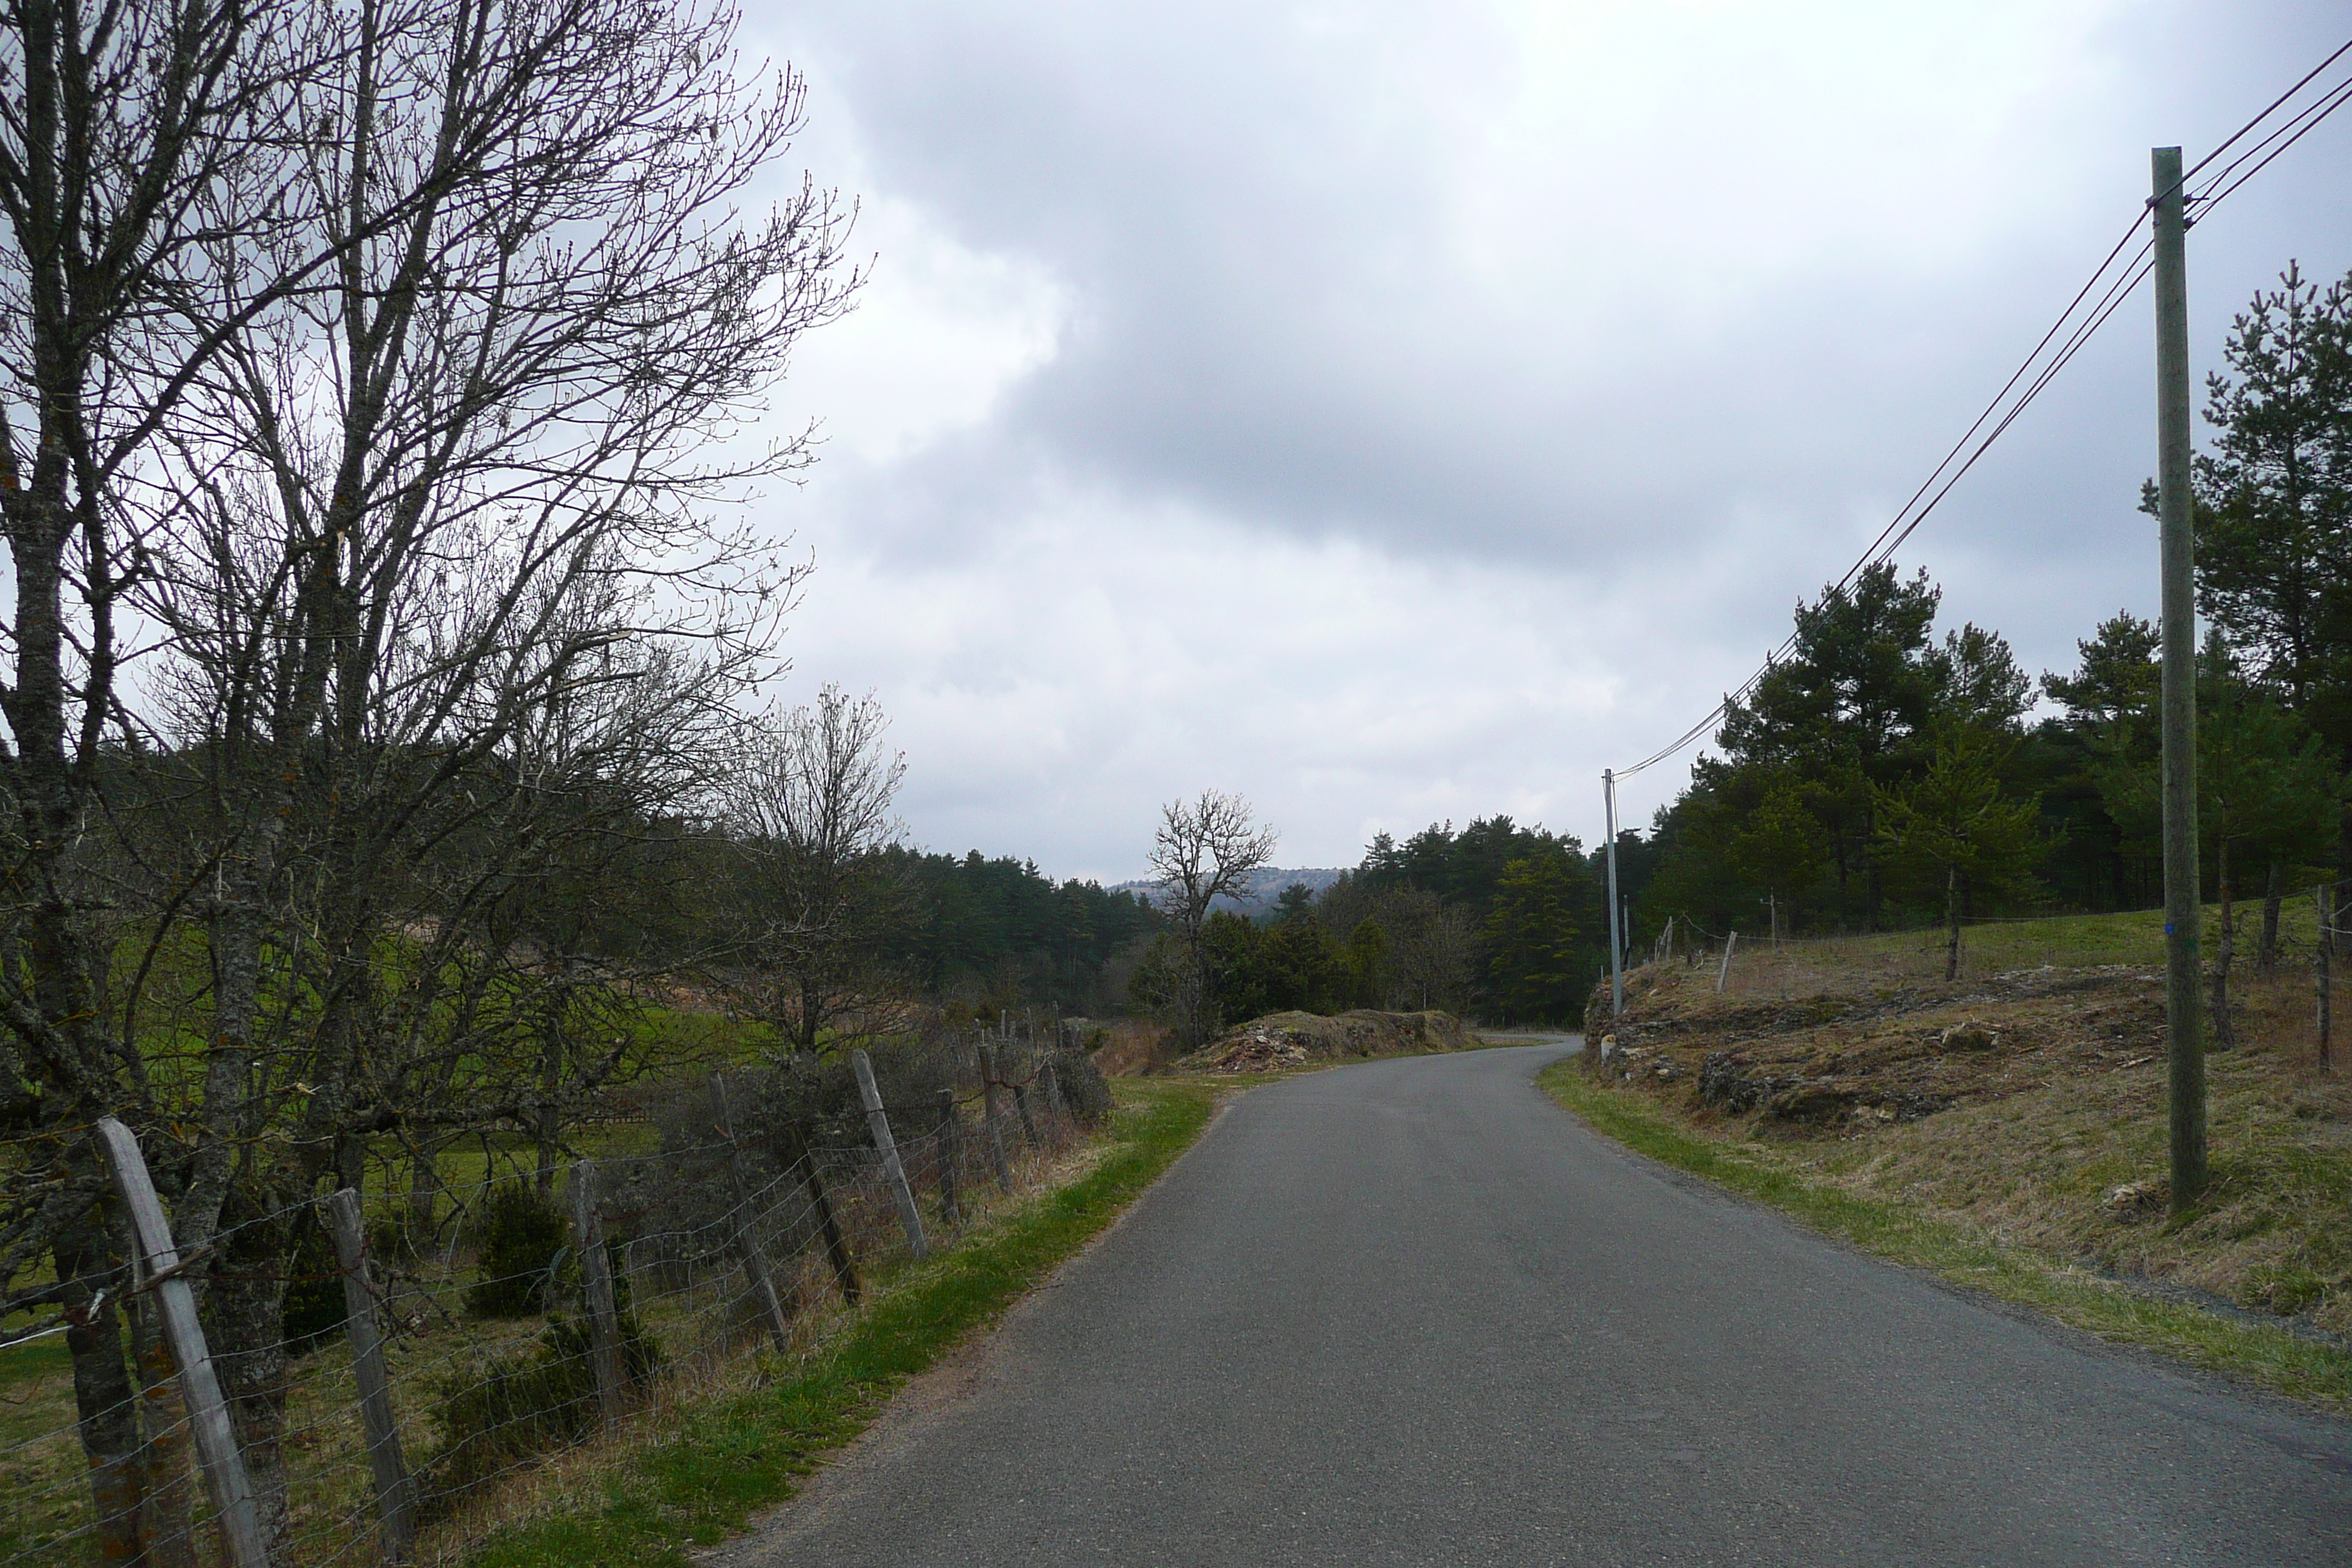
2008	1131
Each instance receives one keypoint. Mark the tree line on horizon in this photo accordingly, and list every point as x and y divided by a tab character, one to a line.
1882	776
1495	920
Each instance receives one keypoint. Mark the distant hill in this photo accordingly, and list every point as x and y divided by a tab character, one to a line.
1265	887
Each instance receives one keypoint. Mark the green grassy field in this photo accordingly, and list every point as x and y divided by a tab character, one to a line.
1993	947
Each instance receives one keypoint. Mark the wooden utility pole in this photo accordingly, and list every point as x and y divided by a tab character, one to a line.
1616	948
2176	511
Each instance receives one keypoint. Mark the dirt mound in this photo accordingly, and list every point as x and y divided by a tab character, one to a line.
1294	1039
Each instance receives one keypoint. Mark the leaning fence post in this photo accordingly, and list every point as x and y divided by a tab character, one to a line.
1724	973
1053	1084
596	1279
988	1093
747	1235
836	1247
395	1493
1021	1108
878	1121
951	1145
224	1476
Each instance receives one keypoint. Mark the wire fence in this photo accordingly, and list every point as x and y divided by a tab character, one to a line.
2270	950
432	1374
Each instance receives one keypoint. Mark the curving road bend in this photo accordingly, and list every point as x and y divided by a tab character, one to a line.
1410	1312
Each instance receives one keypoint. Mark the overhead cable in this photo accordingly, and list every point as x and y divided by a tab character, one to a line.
2074	328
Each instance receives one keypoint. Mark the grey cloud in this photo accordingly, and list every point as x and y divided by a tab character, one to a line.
1273	322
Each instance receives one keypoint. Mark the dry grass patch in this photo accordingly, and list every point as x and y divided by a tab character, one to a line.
2025	1108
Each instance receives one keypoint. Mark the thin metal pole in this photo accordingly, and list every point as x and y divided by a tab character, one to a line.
2176	512
1616	948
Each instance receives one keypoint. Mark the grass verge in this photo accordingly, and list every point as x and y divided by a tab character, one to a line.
714	1466
2272	1358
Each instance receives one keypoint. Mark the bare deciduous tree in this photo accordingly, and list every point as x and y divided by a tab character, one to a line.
390	360
1202	850
117	124
810	810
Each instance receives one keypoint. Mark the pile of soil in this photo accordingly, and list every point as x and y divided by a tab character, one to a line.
1296	1039
1876	1057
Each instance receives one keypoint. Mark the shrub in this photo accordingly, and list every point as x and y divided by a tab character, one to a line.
520	1407
1082	1088
521	1239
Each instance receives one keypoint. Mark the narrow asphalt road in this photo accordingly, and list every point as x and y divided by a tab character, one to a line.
1410	1312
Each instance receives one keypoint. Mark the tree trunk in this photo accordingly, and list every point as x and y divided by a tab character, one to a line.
108	1421
168	1525
1951	923
2224	1036
245	1312
2266	956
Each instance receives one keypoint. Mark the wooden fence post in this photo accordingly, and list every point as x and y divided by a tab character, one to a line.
989	1104
950	1147
1054	1104
2326	950
1724	973
158	1261
747	1234
1020	1087
878	1121
837	1246
597	1281
395	1493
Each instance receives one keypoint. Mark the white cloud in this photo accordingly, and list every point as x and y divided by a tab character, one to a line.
939	332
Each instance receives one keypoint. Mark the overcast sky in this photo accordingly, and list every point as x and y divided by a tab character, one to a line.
1398	413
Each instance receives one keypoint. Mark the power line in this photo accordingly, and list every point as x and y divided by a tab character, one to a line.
2271	109
1940	480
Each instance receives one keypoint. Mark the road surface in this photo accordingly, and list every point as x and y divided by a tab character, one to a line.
1411	1312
